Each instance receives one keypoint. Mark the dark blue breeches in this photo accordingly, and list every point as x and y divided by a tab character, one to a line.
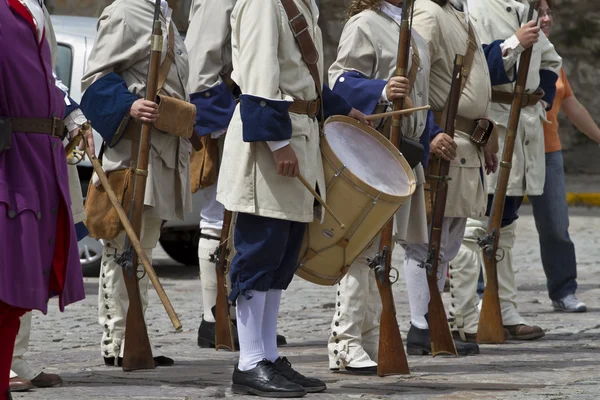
267	254
511	208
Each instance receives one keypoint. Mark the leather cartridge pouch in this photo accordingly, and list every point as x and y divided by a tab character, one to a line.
204	164
102	220
484	127
176	117
412	151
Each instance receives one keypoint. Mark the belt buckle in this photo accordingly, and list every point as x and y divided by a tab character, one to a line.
56	122
308	105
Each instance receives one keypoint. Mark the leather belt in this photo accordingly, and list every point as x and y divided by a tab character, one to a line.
48	126
463	124
312	108
529	99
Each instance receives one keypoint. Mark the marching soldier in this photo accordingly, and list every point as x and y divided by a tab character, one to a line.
208	42
273	137
502	23
447	32
114	102
39	259
363	73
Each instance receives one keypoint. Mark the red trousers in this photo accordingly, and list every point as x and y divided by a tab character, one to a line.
9	327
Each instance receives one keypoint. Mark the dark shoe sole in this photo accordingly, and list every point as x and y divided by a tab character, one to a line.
468	353
531	336
315	389
580	310
241	389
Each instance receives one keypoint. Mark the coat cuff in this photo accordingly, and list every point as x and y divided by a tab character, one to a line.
334	104
495	62
214	107
548	84
106	103
265	119
361	92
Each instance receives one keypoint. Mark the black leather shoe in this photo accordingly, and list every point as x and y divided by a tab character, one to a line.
206	335
311	385
418	343
160	361
264	380
362	370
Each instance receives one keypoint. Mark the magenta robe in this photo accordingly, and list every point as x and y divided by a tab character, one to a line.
39	257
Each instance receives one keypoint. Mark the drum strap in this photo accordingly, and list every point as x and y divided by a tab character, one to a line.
301	32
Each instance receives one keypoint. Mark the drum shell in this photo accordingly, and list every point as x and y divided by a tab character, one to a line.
328	251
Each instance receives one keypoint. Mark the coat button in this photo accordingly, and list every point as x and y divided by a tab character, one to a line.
39	215
53	211
420	94
463	161
509	9
12	213
106	306
526	142
104	285
337	341
338	304
106	326
337	324
207	94
342	79
263	103
108	316
334	333
335	352
338	293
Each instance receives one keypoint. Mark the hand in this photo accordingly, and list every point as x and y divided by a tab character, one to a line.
357	115
287	162
444	146
397	87
144	111
528	34
491	161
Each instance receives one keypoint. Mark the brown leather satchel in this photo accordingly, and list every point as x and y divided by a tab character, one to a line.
176	117
204	164
102	220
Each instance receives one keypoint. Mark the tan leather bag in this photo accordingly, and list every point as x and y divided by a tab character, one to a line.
176	117
204	164
102	220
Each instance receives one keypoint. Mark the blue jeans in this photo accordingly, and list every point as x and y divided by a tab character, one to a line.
551	214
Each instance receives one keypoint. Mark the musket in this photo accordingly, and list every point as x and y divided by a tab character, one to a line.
138	353
392	358
129	231
223	326
441	337
491	329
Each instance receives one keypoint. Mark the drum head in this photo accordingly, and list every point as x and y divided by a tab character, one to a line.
367	158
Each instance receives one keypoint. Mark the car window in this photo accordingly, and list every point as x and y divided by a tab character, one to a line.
64	64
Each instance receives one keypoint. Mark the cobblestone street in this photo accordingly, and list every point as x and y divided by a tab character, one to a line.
563	365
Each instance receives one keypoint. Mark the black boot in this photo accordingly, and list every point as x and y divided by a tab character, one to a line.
264	380
311	385
418	343
160	361
206	334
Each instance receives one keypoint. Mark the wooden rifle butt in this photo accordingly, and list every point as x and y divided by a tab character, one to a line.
392	358
491	328
223	325
439	329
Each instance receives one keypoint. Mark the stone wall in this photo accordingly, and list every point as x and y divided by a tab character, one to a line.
576	36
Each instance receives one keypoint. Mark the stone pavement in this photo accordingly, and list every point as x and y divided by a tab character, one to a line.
563	365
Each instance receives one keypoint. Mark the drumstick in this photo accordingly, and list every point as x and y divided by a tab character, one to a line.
320	200
399	112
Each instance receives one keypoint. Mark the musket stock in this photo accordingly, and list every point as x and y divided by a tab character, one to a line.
441	337
491	329
392	358
223	327
138	353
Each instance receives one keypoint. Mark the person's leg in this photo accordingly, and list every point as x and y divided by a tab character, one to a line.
9	327
551	214
345	340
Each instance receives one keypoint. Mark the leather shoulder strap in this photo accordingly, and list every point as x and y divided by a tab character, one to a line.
165	66
469	56
300	30
415	64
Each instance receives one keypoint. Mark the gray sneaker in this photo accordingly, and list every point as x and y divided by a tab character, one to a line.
569	303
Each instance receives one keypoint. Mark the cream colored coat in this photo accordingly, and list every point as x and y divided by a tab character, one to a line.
446	31
208	43
267	63
369	45
493	22
123	46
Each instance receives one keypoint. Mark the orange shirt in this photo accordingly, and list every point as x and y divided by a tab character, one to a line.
563	91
